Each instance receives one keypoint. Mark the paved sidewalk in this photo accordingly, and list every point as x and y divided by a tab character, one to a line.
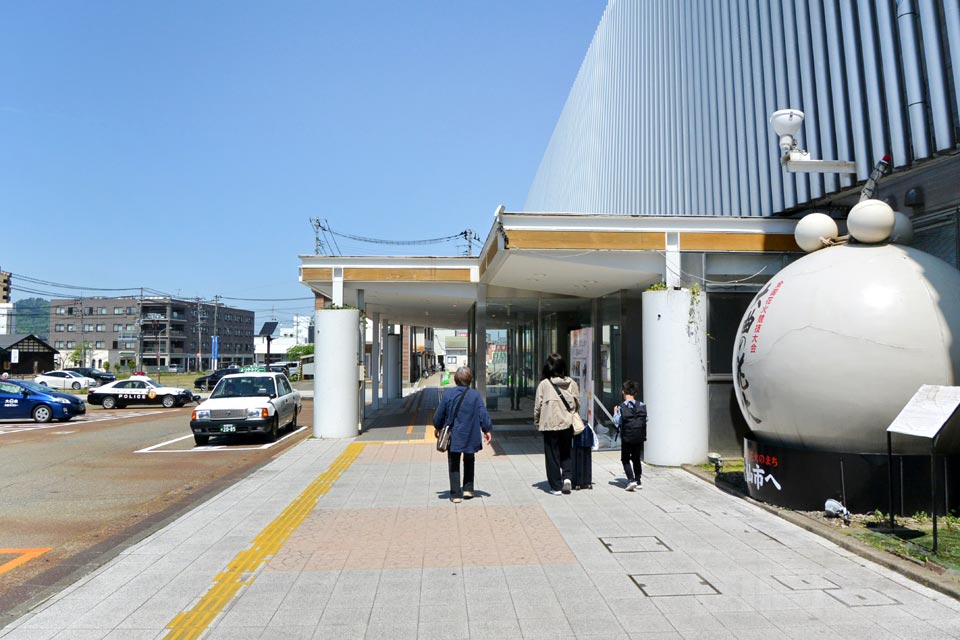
357	539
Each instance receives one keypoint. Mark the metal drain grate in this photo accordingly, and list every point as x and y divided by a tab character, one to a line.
655	585
862	597
806	583
677	507
635	544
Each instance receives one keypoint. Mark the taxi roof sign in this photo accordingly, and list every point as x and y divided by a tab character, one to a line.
253	368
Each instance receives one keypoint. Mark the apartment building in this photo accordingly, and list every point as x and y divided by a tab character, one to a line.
151	333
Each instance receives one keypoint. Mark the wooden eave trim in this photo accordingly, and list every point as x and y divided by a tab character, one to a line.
387	274
487	259
610	240
651	241
751	242
316	274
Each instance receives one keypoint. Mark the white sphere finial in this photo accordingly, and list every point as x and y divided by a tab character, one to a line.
812	228
902	229
871	221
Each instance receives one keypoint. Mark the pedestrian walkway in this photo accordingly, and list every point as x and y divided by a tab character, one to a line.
358	539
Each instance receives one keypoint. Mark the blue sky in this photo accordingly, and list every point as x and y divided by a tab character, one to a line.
183	146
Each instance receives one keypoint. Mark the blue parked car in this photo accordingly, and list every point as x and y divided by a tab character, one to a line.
21	399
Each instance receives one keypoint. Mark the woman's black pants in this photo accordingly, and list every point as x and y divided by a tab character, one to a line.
453	465
557	450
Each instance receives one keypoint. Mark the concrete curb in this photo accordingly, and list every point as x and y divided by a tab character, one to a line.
918	573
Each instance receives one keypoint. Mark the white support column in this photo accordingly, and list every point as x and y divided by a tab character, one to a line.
335	408
675	377
671	267
480	373
361	360
375	361
392	387
337	286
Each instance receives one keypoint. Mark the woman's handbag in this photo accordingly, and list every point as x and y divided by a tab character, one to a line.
575	421
443	441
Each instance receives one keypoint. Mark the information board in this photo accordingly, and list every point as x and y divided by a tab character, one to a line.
927	411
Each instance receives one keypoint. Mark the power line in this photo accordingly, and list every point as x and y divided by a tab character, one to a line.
60	285
267	299
468	234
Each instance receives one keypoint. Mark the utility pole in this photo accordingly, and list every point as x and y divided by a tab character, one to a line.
83	346
156	331
140	332
216	329
317	225
469	235
200	317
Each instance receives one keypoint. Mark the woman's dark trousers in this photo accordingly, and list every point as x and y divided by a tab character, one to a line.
453	465
631	453
557	449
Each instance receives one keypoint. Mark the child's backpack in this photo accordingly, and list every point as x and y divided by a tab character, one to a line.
633	422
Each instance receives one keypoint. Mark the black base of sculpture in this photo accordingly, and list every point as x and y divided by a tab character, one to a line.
805	479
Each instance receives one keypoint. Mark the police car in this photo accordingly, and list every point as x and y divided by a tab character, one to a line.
22	399
138	390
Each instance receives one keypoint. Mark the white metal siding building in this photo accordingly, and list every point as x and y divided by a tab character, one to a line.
668	114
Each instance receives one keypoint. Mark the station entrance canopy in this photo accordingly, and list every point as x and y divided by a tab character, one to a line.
556	256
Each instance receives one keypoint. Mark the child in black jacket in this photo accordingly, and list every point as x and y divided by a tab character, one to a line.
631	416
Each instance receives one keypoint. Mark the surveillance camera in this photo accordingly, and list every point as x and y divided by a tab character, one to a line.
786	123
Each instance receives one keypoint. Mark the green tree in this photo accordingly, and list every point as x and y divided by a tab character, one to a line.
76	356
298	351
32	315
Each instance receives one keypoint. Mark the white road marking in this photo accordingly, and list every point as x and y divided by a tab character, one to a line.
84	420
214	448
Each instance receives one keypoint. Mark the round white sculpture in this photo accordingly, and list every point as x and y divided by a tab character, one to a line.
811	228
902	229
836	343
871	221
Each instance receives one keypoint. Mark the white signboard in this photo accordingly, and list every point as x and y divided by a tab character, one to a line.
14	356
926	413
581	370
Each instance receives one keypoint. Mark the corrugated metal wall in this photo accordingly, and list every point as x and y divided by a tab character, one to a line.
668	114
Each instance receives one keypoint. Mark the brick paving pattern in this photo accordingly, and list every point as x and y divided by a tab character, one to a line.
383	554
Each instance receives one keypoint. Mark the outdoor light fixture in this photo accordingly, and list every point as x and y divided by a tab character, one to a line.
717	460
786	123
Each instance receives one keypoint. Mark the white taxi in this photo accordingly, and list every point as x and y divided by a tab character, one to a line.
247	403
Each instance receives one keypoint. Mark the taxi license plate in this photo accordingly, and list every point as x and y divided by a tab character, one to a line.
228	428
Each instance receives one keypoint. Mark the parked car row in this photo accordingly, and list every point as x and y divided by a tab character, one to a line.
210	380
241	403
65	379
101	376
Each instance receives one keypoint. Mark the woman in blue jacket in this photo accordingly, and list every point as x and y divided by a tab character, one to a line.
465	438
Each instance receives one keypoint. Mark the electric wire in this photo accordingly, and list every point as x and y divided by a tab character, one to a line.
462	234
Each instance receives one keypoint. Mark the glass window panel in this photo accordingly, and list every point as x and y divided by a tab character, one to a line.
725	310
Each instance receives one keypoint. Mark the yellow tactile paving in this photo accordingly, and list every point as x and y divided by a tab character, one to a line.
413	537
193	623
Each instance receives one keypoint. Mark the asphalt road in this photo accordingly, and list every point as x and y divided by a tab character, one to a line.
74	494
